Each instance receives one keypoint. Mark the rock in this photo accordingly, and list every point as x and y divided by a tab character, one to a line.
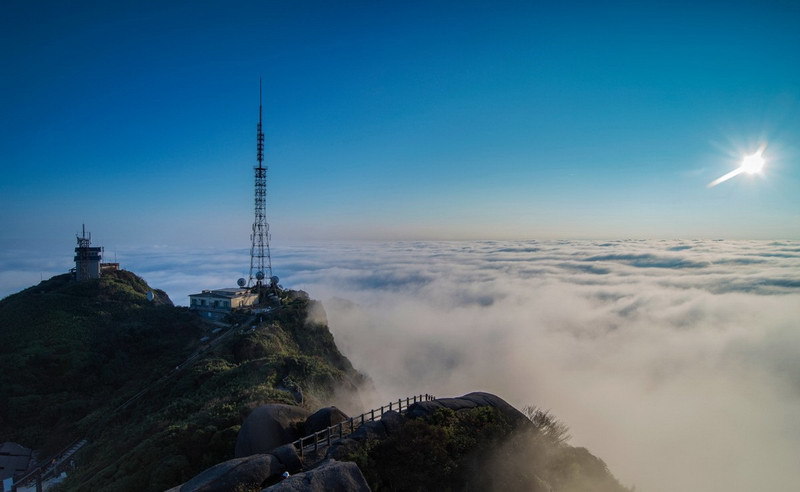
392	421
330	476
340	449
470	400
488	399
323	418
389	423
268	427
369	430
287	455
253	470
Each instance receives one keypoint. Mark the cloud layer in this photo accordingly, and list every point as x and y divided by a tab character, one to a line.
677	362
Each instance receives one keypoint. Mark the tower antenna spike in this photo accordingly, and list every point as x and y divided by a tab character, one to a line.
260	130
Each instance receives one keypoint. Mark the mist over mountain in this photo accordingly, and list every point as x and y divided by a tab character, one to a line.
674	361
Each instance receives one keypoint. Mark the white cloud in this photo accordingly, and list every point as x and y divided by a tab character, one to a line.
674	361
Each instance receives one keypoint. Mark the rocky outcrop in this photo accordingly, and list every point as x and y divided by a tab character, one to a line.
329	476
268	427
389	423
470	400
252	470
258	470
323	418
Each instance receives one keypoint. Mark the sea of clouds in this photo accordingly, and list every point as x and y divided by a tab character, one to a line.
676	362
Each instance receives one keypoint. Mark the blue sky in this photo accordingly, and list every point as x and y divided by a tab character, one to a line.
397	120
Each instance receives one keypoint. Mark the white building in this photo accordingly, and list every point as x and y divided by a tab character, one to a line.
219	302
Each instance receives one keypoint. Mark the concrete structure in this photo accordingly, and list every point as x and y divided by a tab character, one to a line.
217	303
87	258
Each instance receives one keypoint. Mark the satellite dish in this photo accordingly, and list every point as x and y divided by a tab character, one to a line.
274	279
241	282
150	295
260	275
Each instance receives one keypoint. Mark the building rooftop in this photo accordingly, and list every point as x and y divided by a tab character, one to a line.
226	293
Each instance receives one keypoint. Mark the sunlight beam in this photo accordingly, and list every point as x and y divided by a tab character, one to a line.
726	177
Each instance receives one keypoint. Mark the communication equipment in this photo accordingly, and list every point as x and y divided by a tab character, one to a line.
260	260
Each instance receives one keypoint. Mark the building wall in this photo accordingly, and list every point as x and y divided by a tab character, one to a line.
244	301
210	303
86	269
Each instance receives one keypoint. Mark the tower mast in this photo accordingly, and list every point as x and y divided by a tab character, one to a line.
260	261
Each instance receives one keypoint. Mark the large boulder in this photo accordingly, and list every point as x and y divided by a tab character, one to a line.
470	400
369	430
287	455
268	427
323	418
389	423
392	421
251	471
341	449
330	476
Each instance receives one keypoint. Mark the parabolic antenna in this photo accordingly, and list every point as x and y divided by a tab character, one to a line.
241	282
150	295
274	279
260	275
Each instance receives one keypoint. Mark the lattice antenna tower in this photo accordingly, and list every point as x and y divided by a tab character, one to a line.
260	261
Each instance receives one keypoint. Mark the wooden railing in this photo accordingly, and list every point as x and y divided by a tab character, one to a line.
334	433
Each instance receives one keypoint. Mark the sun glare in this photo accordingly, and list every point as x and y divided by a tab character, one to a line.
751	164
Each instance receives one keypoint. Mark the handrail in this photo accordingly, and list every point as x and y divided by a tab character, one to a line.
326	436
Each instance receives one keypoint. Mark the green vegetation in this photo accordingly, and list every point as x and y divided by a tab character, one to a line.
72	353
479	449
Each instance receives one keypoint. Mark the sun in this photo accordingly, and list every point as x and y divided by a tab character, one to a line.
753	163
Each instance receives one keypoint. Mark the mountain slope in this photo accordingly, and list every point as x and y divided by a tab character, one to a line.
73	353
